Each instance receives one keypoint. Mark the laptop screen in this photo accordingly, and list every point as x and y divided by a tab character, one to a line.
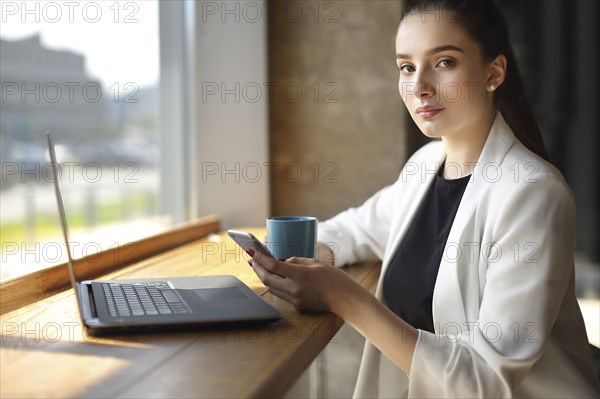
62	214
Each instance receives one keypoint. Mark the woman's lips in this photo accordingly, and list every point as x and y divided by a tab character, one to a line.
428	112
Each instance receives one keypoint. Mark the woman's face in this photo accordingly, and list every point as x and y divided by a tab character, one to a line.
443	81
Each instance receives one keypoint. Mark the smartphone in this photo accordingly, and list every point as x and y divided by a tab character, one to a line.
248	242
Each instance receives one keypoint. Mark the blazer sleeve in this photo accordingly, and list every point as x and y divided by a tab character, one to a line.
521	299
360	233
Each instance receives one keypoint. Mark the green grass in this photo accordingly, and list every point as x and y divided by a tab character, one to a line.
44	226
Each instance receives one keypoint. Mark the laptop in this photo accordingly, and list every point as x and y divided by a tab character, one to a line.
159	304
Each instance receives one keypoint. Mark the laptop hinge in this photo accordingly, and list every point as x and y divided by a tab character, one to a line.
87	300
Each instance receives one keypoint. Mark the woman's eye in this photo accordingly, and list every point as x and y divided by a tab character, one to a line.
406	68
446	63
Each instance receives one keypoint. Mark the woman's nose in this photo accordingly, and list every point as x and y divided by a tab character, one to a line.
421	85
424	87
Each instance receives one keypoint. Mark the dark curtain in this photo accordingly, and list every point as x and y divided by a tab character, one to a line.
556	45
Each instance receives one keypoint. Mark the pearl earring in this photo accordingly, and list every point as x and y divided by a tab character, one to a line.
492	88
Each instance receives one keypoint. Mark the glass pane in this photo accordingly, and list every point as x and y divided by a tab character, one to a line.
88	72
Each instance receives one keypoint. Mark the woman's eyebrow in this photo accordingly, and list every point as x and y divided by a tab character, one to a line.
434	50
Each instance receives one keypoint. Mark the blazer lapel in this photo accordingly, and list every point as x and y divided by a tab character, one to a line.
450	289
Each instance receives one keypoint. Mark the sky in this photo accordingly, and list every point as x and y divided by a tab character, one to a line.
118	38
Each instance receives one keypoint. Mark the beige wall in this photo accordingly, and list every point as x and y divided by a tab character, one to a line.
351	127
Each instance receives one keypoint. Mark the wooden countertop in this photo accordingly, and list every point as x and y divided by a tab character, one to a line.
45	353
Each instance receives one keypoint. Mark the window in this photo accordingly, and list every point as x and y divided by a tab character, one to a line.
88	72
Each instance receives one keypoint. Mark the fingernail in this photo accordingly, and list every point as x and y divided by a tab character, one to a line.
250	252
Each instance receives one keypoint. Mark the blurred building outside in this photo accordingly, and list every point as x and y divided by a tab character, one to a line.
107	144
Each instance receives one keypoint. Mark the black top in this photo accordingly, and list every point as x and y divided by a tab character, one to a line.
410	277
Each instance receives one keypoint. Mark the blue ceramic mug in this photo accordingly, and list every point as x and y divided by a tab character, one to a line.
289	236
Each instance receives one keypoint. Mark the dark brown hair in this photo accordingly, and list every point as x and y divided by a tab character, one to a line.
484	22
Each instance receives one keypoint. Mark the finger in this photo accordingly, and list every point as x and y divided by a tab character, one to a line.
301	261
273	265
283	295
255	250
271	280
265	260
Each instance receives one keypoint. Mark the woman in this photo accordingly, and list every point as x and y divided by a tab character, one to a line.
476	294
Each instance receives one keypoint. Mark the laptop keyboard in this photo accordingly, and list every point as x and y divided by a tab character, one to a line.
141	299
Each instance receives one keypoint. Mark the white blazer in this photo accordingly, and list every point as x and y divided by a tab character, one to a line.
507	322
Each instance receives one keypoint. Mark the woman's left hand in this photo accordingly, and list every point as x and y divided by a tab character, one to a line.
307	284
